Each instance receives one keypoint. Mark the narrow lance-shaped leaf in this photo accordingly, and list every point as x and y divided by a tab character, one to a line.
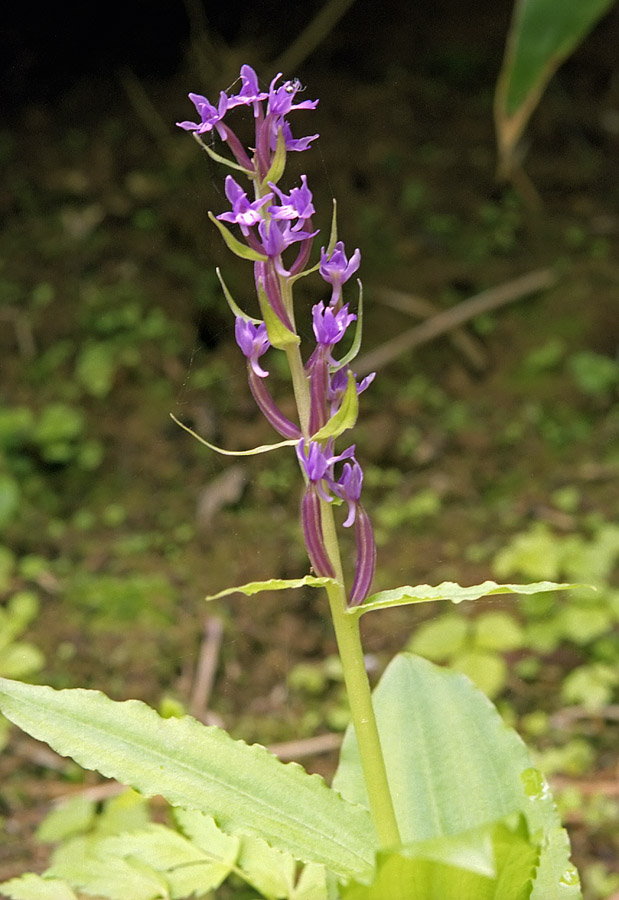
345	417
274	584
236	246
245	788
262	448
217	157
356	344
279	162
280	336
542	35
449	590
234	307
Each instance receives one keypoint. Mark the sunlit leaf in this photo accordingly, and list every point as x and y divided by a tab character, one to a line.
236	246
274	584
35	887
453	766
245	788
449	590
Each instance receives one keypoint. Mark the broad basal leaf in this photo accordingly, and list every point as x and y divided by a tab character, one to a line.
454	766
245	788
449	590
449	869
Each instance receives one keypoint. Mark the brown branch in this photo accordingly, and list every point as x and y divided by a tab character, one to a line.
205	670
454	317
470	347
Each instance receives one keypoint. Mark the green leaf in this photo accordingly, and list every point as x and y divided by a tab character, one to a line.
263	448
185	867
234	307
434	724
345	417
278	165
454	766
490	864
35	887
85	864
274	584
356	344
96	366
449	590
542	35
237	247
271	872
311	884
279	335
245	788
73	817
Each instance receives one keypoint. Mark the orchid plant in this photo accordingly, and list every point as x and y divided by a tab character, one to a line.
434	797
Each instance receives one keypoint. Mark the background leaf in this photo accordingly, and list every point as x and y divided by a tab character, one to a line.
542	34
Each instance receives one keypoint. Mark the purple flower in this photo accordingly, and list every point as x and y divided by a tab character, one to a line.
348	488
337	269
209	114
253	341
244	212
330	326
338	383
318	464
250	91
298	144
276	236
296	205
281	98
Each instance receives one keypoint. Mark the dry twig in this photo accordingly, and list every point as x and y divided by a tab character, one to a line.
454	317
206	668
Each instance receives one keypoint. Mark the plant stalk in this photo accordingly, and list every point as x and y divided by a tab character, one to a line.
348	639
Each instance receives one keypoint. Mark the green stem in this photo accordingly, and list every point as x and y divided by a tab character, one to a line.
363	717
349	646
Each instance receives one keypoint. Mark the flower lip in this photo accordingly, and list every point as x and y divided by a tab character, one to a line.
245	213
210	115
336	268
253	341
330	325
